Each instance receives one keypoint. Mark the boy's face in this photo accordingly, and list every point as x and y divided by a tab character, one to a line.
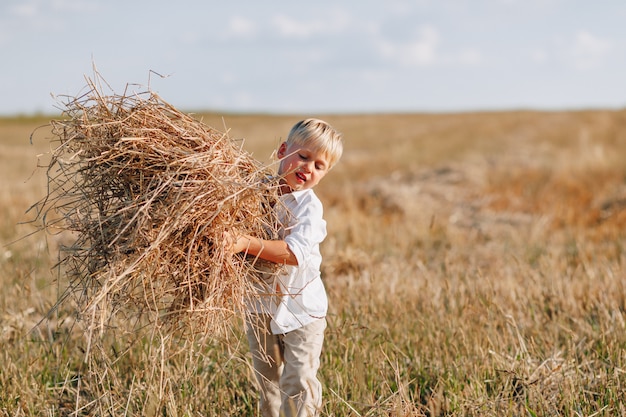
301	167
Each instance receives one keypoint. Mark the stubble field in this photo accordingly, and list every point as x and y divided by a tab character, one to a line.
475	266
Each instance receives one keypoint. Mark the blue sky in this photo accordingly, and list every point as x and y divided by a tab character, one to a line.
319	57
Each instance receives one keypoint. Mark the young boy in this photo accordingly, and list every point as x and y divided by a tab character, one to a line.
286	328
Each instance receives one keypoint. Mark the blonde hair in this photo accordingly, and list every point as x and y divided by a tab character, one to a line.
319	135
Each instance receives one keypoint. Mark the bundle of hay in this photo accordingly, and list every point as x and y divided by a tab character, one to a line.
148	191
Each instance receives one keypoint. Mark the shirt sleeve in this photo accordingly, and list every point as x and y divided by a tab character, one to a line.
308	231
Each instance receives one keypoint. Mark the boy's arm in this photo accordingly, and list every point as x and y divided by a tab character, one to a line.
276	251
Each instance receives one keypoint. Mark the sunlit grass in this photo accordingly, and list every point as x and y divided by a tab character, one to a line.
475	266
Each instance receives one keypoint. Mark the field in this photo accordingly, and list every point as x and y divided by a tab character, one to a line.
475	266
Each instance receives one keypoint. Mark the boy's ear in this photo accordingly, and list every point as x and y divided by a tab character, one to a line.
282	150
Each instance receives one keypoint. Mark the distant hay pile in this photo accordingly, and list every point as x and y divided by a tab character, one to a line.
148	192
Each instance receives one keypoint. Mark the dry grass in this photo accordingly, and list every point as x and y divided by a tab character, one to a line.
475	267
148	192
144	194
494	277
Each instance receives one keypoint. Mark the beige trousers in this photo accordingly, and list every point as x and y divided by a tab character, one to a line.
286	367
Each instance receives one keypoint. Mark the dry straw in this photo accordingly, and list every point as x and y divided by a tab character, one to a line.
147	192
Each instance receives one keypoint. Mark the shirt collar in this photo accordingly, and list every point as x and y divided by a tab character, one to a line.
299	195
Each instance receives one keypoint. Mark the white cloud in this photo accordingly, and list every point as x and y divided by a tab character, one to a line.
538	56
419	52
30	9
424	50
24	10
290	27
241	27
589	50
336	22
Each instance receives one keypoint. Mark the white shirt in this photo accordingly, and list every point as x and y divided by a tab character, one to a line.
298	294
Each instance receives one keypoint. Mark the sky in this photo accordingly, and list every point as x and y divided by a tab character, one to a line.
352	56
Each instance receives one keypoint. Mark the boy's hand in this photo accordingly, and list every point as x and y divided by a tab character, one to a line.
276	251
233	242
